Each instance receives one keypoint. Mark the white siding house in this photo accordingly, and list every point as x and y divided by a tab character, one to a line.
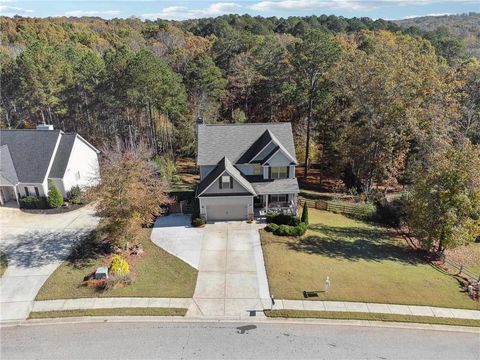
30	158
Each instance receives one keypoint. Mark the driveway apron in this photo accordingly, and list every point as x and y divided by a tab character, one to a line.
232	281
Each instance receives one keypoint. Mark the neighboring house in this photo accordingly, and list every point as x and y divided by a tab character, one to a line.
29	158
245	168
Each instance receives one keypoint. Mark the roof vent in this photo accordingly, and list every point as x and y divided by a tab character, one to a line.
199	120
44	127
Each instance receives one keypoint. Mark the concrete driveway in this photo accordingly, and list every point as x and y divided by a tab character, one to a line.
175	235
232	280
35	245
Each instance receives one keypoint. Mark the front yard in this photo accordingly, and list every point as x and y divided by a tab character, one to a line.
157	274
365	263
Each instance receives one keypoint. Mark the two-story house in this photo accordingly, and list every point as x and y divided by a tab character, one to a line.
245	168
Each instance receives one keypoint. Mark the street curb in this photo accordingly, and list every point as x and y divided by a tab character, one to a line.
178	319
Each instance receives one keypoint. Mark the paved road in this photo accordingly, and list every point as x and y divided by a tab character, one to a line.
35	245
148	340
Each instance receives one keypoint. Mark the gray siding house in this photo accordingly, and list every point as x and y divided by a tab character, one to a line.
245	169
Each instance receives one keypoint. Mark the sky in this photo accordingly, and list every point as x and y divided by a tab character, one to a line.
180	10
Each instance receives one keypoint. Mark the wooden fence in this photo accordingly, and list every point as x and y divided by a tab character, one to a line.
462	270
344	208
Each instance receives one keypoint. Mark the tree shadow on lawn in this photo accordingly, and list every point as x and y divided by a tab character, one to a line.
87	250
352	243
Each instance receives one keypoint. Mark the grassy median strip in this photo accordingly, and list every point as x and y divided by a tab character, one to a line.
344	315
134	311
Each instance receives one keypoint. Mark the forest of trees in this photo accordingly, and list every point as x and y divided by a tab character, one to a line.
370	102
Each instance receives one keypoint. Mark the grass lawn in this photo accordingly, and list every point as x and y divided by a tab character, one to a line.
157	274
109	312
365	263
3	262
341	315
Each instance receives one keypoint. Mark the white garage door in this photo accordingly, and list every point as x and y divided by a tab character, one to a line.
227	209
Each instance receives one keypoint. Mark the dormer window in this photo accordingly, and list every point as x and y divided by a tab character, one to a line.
225	182
278	172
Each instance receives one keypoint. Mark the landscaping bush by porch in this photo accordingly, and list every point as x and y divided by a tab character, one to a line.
274	217
55	198
33	202
288	230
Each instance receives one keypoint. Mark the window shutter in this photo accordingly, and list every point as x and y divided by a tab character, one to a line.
220	182
286	198
269	172
37	192
288	172
231	182
27	193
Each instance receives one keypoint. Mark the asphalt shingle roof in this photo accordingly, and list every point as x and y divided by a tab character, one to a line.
224	165
234	140
30	151
8	175
62	156
278	186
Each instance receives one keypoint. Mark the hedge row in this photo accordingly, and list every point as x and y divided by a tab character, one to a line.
287	230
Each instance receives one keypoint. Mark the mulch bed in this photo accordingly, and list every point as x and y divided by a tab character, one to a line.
60	210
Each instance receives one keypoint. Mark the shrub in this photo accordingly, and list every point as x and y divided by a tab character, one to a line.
33	202
294	221
281	219
75	195
305	213
288	230
119	266
198	221
55	198
271	227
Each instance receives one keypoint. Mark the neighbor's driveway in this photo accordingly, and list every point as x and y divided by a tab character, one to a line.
228	255
35	245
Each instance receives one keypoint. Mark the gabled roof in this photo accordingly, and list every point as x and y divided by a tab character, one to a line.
224	165
31	152
8	175
256	147
236	141
62	156
281	148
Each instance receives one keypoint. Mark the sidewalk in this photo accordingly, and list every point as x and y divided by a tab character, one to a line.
99	303
375	308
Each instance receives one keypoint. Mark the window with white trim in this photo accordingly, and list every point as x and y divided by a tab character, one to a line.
225	182
278	172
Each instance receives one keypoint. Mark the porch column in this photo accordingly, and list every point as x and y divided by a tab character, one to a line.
266	202
294	200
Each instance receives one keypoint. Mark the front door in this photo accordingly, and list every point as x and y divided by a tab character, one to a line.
258	201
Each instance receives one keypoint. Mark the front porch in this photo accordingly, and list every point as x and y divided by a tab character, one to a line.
285	203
